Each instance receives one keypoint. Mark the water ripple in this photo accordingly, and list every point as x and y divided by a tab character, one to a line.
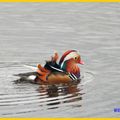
27	97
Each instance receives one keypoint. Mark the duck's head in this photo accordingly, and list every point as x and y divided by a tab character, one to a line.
69	59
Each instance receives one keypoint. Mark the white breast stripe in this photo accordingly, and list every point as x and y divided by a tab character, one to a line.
72	76
75	76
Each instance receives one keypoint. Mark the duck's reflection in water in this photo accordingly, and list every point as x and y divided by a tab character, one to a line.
60	95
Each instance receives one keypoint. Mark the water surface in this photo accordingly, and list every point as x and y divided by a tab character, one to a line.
29	34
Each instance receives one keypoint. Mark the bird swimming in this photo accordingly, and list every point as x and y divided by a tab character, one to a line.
54	72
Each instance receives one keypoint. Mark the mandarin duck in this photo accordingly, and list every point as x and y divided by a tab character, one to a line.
65	71
54	72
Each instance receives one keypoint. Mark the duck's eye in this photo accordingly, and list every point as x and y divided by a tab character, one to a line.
75	58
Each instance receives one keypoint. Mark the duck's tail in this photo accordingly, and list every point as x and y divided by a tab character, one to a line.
34	68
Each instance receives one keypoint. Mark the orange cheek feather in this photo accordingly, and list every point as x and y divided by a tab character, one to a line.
73	68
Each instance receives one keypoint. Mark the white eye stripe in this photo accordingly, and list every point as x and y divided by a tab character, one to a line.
69	56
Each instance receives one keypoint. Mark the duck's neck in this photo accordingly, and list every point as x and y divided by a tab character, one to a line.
72	67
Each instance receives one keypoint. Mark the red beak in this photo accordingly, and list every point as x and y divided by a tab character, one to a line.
81	62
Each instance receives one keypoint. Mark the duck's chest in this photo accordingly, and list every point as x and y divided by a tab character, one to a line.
74	69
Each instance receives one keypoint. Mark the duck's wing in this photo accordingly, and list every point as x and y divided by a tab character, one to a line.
61	77
53	66
56	69
58	77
